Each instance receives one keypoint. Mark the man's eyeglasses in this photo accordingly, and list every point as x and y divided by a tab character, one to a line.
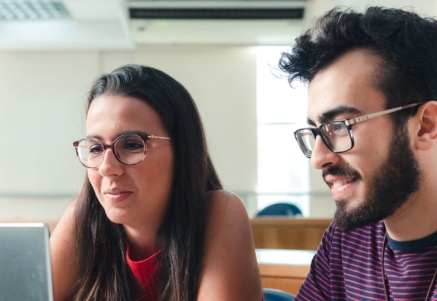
129	149
337	134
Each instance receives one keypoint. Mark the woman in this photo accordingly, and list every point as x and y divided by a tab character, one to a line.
151	221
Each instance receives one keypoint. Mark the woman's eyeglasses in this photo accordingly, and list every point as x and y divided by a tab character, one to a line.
129	149
337	134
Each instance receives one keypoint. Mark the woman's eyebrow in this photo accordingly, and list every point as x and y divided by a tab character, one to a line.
94	136
136	132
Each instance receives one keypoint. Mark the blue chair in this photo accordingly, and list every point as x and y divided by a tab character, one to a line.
280	209
271	294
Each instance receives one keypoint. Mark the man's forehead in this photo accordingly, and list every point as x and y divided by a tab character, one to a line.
339	88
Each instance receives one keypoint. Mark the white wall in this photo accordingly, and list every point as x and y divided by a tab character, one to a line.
42	109
42	112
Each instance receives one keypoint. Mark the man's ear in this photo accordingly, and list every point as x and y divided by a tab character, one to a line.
426	122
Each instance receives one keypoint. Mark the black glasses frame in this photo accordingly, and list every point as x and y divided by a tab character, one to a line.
317	131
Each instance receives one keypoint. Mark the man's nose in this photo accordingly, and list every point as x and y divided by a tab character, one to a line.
321	155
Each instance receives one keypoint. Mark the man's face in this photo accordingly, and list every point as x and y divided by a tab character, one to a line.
392	184
375	178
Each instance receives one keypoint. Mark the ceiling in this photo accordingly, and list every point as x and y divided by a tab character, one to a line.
108	25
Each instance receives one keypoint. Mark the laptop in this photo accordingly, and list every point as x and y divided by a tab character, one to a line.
25	267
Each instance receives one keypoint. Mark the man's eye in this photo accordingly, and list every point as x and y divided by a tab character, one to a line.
337	127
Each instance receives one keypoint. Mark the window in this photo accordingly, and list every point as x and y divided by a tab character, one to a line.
283	172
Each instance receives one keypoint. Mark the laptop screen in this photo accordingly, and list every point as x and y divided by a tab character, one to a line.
25	268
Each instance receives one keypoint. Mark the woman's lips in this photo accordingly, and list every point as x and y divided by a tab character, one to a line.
117	196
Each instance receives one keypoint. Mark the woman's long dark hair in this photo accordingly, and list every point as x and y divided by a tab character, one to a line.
103	272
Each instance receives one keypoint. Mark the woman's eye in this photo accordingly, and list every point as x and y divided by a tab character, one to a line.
132	145
96	149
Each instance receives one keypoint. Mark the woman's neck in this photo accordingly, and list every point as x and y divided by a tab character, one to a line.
142	243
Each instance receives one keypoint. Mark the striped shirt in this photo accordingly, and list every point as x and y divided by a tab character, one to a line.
347	266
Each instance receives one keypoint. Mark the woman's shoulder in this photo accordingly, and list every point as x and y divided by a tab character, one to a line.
224	198
63	255
222	202
65	225
230	269
226	212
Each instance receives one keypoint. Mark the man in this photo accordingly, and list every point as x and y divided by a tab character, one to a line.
372	115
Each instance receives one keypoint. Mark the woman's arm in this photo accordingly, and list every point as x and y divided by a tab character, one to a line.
229	267
63	254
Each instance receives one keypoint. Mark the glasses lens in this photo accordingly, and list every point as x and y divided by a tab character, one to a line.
336	136
306	140
130	149
90	152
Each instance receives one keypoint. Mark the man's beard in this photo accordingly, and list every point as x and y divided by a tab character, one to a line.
393	183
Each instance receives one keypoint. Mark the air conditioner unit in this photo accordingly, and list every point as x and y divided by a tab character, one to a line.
229	22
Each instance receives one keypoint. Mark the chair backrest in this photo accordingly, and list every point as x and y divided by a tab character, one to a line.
271	294
280	209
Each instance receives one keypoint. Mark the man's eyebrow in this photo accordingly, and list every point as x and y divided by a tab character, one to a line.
333	113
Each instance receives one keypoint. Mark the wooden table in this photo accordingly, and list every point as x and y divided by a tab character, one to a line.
288	233
284	269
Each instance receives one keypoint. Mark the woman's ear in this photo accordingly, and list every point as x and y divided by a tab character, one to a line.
426	130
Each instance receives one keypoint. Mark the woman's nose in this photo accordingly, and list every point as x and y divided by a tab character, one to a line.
110	166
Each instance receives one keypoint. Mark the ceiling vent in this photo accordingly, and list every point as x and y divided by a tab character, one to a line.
252	22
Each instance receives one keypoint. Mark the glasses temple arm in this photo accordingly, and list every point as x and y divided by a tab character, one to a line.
158	137
373	115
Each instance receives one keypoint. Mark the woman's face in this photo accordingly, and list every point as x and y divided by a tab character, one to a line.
132	195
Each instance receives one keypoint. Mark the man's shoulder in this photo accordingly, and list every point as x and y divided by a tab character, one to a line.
339	244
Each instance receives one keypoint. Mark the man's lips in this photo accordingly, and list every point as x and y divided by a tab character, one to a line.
335	182
337	173
340	179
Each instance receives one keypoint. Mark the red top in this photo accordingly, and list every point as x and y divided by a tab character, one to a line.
146	272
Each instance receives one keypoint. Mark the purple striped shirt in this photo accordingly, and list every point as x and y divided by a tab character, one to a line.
347	266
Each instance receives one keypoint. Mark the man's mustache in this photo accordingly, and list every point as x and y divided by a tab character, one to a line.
345	171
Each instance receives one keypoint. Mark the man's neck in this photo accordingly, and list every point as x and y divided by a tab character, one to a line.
415	219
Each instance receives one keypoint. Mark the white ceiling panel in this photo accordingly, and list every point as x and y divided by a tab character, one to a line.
108	24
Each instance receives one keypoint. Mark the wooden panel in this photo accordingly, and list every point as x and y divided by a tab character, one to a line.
288	285
283	277
284	269
287	233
